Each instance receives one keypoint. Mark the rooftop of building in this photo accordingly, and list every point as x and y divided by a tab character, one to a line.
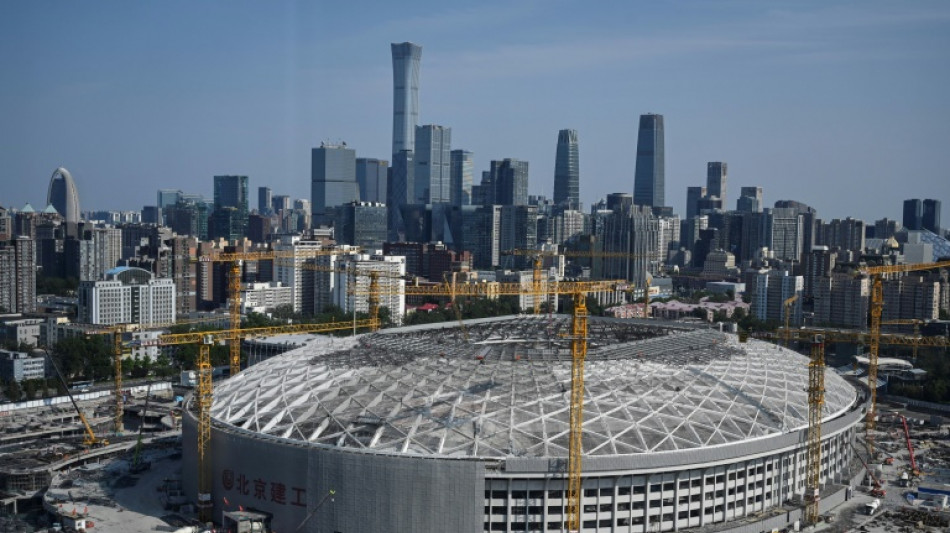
505	392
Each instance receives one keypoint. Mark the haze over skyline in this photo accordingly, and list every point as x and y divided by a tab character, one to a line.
838	106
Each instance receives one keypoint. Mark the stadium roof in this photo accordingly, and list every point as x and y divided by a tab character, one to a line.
424	390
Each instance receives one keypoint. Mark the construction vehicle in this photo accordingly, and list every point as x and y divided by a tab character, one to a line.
872	506
137	465
876	489
90	439
910	448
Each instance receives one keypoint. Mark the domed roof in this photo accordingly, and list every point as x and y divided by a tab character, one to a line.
506	392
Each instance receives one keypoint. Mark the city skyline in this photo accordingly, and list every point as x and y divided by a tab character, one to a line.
797	95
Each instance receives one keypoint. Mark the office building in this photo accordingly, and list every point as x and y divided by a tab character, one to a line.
785	233
264	297
509	179
21	366
693	197
361	224
463	167
432	178
750	200
332	180
716	172
371	176
168	197
519	227
567	177
264	200
128	295
930	216
650	174
913	214
406	60
63	196
231	191
280	202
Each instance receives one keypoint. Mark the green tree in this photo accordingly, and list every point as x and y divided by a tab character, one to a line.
12	390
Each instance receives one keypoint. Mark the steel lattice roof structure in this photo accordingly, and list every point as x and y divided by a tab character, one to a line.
505	391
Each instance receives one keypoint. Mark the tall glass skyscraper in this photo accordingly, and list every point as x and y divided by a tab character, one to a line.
332	180
649	180
567	177
716	173
406	58
62	194
463	167
433	165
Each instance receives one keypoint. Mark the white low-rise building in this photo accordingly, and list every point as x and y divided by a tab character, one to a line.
128	295
264	297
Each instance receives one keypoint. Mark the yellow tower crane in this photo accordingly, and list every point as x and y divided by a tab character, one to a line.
816	401
877	274
234	284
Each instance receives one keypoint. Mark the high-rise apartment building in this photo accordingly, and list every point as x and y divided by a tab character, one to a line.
432	178
509	179
264	199
371	175
567	177
406	60
18	275
649	178
463	167
332	180
716	172
63	195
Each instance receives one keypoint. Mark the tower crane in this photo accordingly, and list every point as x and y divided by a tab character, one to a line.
816	401
236	259
877	274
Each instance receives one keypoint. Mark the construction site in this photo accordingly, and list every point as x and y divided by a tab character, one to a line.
518	423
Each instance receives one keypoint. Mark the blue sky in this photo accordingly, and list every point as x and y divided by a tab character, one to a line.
841	105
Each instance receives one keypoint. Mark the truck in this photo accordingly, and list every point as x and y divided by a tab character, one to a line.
872	506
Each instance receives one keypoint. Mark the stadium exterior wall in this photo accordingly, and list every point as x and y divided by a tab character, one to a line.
381	492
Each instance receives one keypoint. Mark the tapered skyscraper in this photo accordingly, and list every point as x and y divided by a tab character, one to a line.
63	195
406	57
648	182
567	177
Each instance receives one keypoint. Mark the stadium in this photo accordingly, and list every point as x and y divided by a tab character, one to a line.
449	428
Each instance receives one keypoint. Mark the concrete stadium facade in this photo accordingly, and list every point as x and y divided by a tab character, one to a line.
414	429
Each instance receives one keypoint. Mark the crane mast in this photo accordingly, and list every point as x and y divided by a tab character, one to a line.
575	452
816	401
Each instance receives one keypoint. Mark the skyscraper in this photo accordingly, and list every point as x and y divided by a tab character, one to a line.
913	214
63	195
693	196
930	217
509	178
371	175
463	167
567	170
750	200
649	179
433	164
716	180
231	191
332	180
263	200
406	58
